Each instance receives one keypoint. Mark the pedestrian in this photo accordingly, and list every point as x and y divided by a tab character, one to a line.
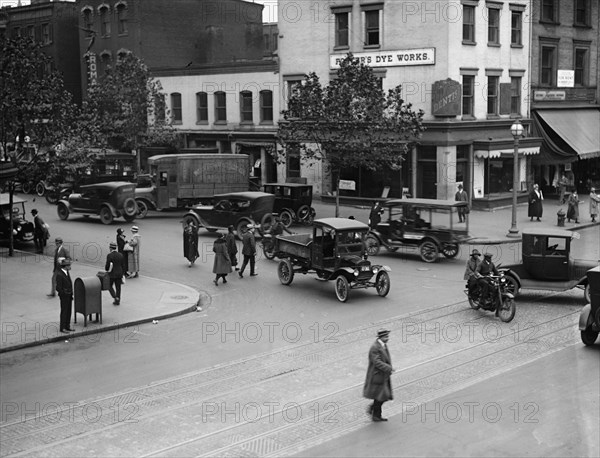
573	207
471	269
248	251
594	203
231	247
190	242
222	264
375	215
64	287
40	231
562	184
114	267
462	196
121	242
535	208
378	385
59	252
133	257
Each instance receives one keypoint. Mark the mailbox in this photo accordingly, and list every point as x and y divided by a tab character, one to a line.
88	297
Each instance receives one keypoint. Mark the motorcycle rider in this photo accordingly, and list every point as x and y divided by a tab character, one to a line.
470	270
484	270
278	228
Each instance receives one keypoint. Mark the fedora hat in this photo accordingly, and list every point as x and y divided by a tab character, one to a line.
134	229
383	333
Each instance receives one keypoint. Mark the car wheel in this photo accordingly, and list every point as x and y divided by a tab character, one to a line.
342	288
187	219
303	213
285	272
241	225
382	284
106	215
63	211
130	207
429	251
372	245
52	196
266	223
40	189
27	187
587	295
450	250
286	218
589	336
142	209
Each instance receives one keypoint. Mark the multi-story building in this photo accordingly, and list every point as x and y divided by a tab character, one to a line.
465	63
55	26
565	77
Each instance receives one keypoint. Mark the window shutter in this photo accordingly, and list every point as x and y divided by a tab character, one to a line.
505	96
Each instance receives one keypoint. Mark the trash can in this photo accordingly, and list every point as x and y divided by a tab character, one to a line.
561	218
104	280
88	297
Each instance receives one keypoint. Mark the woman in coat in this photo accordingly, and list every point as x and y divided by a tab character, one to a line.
190	243
573	210
133	257
121	241
535	203
222	265
594	204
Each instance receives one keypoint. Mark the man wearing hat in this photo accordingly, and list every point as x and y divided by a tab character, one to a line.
461	196
248	251
378	385
133	257
59	252
39	231
470	271
484	270
114	267
64	287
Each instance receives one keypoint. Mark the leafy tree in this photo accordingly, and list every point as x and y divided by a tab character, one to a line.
350	123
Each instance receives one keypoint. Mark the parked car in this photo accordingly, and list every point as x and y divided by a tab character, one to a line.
547	263
589	319
335	250
237	209
292	202
110	200
429	225
22	229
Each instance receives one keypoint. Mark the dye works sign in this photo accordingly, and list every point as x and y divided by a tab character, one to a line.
398	58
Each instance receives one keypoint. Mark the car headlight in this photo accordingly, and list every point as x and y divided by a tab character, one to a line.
355	273
375	270
14	232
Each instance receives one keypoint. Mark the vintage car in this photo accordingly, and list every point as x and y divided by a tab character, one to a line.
589	319
429	225
110	200
292	202
547	263
237	209
335	250
22	229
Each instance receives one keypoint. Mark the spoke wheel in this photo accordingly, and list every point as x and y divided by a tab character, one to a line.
269	248
63	211
342	288
40	189
372	245
450	250
429	251
589	336
266	222
106	215
382	284
52	197
27	187
286	218
285	272
512	286
142	209
241	226
507	310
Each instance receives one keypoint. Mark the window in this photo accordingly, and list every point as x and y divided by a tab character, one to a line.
291	88
176	115
105	59
515	95
16	32
88	22
549	11
274	41
468	24
342	30
266	106
293	161
516	28
31	32
104	22
201	108
492	95
159	107
548	65
220	107
581	65
266	39
122	19
493	26
372	25
246	106
468	83
581	13
46	34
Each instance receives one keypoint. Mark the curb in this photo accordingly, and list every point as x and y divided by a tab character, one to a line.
485	241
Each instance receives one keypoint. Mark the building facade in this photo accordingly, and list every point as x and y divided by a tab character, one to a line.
465	63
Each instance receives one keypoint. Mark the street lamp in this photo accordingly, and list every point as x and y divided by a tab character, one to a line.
516	130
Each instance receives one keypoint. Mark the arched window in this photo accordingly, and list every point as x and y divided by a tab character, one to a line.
105	59
104	20
246	106
176	112
121	8
88	20
201	108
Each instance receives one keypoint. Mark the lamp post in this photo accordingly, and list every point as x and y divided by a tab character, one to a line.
516	130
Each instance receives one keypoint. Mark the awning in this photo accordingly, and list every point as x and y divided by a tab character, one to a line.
505	152
569	134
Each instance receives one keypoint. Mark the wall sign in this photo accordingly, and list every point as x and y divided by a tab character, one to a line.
446	98
397	58
348	185
565	78
548	96
92	68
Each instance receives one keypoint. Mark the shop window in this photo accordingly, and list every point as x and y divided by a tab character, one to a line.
468	24
498	175
201	108
220	107
246	107
176	111
266	106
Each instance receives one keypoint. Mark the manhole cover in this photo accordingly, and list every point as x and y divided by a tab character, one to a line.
179	297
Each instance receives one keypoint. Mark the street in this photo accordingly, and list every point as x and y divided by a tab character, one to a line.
270	370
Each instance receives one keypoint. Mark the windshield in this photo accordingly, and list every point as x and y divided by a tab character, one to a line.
351	242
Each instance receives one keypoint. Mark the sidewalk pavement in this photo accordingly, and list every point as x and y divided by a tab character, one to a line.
28	317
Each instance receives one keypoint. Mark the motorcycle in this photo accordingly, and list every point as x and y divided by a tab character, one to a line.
498	299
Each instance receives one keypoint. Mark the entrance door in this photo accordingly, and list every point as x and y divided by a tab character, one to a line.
427	180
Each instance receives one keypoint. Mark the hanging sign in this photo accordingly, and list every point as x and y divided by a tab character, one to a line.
348	185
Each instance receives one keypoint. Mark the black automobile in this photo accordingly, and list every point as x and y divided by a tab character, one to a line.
292	202
589	320
109	200
22	229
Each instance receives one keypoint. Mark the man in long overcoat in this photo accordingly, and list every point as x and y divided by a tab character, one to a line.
248	250
64	287
60	251
378	385
535	208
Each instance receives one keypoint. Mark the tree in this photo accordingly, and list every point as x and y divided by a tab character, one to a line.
350	123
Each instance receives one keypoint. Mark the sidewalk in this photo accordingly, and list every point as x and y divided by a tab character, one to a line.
28	317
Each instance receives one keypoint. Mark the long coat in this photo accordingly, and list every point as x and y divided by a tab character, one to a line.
133	257
535	209
573	210
222	263
378	385
248	244
594	203
190	243
231	248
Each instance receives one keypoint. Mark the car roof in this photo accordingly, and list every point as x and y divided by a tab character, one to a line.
250	195
438	203
342	223
107	185
290	185
4	199
548	232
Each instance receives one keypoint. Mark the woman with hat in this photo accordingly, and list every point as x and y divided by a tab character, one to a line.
594	203
133	257
222	264
472	264
190	243
121	242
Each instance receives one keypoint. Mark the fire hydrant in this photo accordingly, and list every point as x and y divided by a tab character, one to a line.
561	218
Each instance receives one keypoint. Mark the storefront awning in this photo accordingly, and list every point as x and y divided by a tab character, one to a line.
505	152
569	134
